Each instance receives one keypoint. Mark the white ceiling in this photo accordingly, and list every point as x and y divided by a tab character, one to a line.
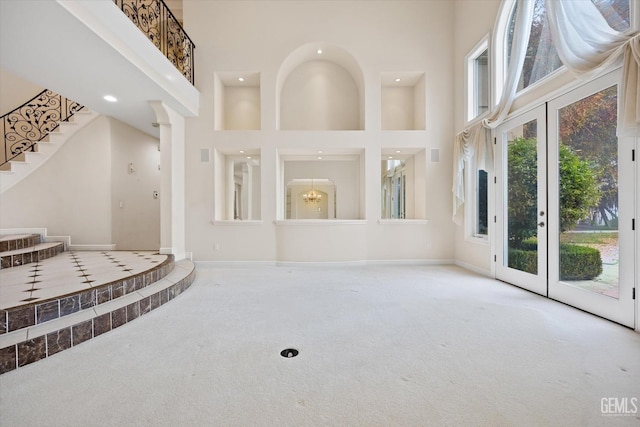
87	49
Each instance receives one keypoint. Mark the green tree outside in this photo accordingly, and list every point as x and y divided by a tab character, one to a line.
578	189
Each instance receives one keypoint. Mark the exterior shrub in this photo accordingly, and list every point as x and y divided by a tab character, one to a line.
579	192
576	262
524	260
579	262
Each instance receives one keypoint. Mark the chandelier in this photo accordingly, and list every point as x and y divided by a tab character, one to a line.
312	196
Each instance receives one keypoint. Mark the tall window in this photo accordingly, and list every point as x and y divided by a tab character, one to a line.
477	70
542	58
481	89
616	12
477	206
482	202
478	99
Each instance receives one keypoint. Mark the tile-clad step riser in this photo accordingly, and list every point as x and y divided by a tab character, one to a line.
24	316
19	243
38	348
17	260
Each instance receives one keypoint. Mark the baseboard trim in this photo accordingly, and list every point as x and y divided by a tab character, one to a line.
475	269
323	263
105	247
242	264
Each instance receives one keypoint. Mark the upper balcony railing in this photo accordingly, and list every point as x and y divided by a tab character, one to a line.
156	21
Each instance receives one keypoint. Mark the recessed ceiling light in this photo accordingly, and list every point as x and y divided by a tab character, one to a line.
249	157
390	157
241	151
319	157
110	98
397	80
397	151
319	51
320	151
240	79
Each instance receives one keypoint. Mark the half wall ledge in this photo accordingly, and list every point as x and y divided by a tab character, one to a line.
319	222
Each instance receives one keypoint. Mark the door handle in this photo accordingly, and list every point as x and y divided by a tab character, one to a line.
541	224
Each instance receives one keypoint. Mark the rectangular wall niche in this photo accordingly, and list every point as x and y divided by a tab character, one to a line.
402	184
336	178
403	101
237	186
237	101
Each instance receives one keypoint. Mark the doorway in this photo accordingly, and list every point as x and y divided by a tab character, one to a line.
565	202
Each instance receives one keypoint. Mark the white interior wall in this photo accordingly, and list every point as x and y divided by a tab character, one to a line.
221	203
70	194
219	116
410	188
398	105
135	211
241	108
380	36
84	200
256	178
474	20
420	162
15	91
419	120
319	95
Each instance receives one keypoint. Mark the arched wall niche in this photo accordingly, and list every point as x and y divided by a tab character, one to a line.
320	91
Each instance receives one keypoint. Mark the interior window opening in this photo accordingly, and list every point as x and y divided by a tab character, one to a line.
394	182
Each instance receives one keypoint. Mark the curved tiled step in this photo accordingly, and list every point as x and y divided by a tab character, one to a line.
28	345
27	255
11	242
72	282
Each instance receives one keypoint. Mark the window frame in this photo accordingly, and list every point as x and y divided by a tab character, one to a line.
471	80
471	211
555	82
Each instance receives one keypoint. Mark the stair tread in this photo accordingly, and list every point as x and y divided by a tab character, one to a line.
5	237
38	247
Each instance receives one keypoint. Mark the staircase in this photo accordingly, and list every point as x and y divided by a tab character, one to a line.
35	131
60	299
17	250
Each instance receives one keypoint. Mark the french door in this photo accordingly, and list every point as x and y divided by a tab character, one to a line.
566	200
521	210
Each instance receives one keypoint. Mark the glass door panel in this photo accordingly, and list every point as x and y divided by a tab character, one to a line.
521	173
522	197
591	205
588	193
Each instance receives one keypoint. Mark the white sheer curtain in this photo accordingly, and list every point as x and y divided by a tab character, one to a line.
473	143
476	139
587	46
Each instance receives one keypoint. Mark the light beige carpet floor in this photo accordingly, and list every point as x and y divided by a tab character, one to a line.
379	346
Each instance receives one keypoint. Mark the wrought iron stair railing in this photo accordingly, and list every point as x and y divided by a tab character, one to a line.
31	122
158	23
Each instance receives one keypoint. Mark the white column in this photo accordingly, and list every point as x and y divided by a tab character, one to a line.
172	180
